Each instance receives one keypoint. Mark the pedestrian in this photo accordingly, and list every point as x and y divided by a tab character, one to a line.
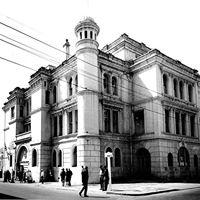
105	178
62	176
13	176
69	176
85	177
42	176
101	177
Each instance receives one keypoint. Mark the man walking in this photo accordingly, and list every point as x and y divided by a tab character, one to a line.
85	177
62	176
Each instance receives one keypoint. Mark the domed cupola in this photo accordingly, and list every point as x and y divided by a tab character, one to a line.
87	29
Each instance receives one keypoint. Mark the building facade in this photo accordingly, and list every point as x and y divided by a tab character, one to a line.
126	98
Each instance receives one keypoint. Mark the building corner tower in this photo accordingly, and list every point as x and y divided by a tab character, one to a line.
88	145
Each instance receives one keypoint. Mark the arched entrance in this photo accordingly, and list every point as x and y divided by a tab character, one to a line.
184	162
22	160
143	163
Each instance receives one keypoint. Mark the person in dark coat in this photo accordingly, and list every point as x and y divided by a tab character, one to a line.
69	176
85	177
42	176
105	178
62	176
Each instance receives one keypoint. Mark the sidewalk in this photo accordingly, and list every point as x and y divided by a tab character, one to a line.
132	189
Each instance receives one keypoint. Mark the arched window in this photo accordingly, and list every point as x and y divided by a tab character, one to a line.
195	161
170	160
165	83
70	87
183	157
117	157
181	91
34	158
111	159
47	97
175	88
54	158
114	85
11	158
54	94
106	83
190	93
59	158
91	35
76	84
80	35
74	157
86	34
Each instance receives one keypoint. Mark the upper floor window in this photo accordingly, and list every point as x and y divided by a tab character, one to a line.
175	88
114	85
21	111
107	120
54	94
181	91
70	122
76	120
28	106
167	122
47	97
70	87
115	121
106	83
192	125
183	123
80	35
177	121
12	112
139	122
60	125
165	83
55	125
190	93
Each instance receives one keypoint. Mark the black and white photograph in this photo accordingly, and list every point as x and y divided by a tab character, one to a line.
100	99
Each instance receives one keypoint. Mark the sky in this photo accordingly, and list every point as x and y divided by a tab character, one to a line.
171	26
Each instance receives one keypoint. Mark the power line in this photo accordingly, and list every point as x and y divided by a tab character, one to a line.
27	51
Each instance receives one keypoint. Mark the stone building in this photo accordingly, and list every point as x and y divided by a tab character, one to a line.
126	98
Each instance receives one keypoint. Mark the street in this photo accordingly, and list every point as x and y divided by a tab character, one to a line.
38	191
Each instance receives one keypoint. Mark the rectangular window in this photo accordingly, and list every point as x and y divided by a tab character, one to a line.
70	122
11	160
115	121
60	125
55	125
183	123
107	120
177	123
192	125
139	122
167	121
13	112
21	111
47	97
76	120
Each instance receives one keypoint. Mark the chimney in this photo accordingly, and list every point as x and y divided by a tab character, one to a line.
67	45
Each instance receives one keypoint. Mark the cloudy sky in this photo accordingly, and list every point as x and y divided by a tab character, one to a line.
172	26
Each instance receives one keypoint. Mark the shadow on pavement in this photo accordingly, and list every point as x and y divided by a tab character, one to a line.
5	196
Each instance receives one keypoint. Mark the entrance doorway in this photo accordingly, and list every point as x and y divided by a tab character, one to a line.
143	163
22	160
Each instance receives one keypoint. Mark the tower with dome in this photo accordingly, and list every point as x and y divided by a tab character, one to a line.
126	98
